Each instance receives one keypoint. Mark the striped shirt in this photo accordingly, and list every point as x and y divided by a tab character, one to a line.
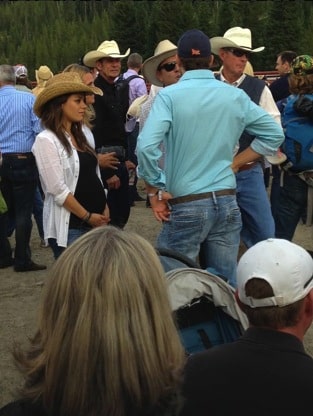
18	123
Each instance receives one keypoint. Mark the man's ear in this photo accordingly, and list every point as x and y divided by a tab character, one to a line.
98	65
306	314
211	60
309	303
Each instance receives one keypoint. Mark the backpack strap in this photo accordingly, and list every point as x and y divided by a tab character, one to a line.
127	80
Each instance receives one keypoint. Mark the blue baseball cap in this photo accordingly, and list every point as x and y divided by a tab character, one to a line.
194	44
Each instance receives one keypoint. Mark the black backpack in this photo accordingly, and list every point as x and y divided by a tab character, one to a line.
122	91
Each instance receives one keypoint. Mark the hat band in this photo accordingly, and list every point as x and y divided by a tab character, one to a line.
265	302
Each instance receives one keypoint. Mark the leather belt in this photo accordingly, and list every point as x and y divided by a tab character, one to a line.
204	195
247	166
26	155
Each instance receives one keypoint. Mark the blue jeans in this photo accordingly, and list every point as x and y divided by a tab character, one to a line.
5	248
291	204
37	211
73	235
275	188
257	220
213	223
19	178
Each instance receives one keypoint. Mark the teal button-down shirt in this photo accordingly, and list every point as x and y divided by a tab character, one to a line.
199	121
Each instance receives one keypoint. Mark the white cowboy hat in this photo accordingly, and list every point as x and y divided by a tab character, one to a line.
235	37
164	50
134	108
107	49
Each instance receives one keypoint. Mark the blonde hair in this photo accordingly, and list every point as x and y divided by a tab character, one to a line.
249	69
107	343
81	71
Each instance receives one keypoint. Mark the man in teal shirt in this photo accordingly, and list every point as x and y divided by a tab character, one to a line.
199	121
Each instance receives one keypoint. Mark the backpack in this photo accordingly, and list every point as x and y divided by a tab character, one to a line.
298	129
122	90
205	309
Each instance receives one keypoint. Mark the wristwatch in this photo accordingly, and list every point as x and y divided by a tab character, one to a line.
158	193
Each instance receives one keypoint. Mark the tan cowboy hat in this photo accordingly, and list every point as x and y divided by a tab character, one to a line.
107	49
60	84
164	50
43	74
235	37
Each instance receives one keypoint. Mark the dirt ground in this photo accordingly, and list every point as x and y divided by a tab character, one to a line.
20	294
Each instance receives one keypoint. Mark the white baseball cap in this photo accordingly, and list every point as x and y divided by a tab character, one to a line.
287	267
20	71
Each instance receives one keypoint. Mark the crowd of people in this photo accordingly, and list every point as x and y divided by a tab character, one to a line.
106	341
221	170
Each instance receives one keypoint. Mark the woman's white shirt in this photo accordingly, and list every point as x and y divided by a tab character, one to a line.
58	172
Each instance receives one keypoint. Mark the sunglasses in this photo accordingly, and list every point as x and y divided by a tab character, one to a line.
238	52
170	66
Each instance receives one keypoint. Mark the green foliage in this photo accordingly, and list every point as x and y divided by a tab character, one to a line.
57	33
207	13
285	28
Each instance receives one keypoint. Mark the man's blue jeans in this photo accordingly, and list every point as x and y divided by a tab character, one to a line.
257	220
19	178
275	188
37	211
291	204
213	223
5	248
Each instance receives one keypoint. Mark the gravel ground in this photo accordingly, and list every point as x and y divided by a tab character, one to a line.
20	293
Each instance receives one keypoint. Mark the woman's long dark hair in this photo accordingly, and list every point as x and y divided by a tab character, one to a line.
51	119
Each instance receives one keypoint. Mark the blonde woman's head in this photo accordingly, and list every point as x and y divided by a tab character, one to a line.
107	335
87	78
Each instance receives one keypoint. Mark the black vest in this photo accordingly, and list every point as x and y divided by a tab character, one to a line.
253	87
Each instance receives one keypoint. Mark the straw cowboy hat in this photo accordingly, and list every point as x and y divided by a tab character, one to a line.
164	50
60	84
107	49
43	74
235	37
